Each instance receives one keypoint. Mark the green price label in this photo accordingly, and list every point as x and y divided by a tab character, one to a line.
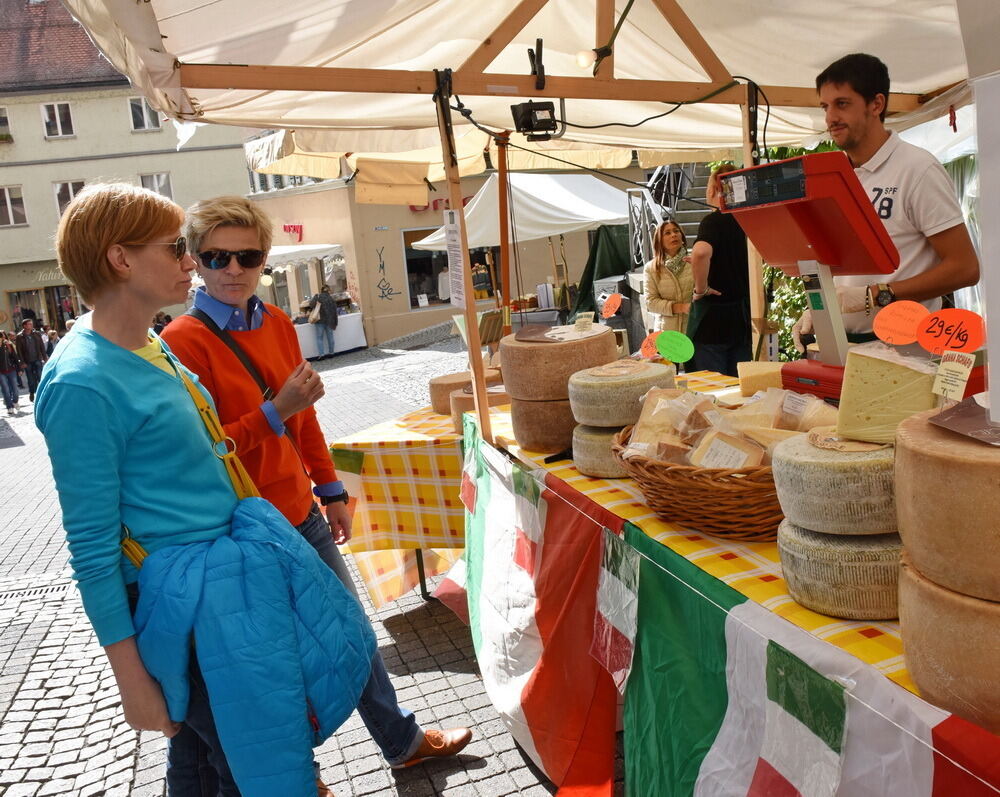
815	300
675	346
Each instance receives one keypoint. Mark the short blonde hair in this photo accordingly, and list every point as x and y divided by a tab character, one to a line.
102	215
225	211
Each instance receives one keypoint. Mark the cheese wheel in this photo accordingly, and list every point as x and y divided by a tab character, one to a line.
758	375
835	492
611	394
854	578
542	426
951	643
949	506
540	371
441	387
462	402
592	452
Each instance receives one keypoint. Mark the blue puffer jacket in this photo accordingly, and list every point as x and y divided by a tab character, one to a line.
284	648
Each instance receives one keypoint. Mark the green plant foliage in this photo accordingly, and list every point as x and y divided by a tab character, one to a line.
786	302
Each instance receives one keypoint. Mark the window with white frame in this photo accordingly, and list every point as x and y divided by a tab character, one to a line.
58	119
4	125
11	206
65	193
143	116
159	182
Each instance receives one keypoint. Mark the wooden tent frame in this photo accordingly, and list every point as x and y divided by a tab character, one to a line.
470	79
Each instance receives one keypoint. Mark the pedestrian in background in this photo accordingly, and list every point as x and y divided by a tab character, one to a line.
266	408
31	350
50	344
10	363
327	321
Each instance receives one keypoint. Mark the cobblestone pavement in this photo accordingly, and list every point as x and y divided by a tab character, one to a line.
61	729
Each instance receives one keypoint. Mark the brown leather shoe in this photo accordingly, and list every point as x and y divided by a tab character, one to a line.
438	744
322	790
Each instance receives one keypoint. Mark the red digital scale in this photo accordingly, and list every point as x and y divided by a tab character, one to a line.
810	217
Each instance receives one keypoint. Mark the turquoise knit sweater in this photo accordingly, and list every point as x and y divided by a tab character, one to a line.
127	446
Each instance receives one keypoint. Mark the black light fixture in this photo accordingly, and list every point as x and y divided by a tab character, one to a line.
537	120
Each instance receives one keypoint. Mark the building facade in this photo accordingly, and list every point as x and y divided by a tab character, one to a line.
67	118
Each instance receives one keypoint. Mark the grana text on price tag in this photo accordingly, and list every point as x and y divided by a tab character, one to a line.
953	374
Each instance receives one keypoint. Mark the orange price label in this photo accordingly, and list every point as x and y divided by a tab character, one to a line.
954	329
648	348
611	305
896	324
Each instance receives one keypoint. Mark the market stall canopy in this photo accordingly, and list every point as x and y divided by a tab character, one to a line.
541	205
240	62
283	258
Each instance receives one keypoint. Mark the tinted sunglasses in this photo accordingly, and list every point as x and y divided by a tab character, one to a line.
220	258
180	246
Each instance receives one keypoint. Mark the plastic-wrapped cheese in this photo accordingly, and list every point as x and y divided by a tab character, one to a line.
850	577
592	452
540	371
952	645
441	387
881	388
948	489
610	395
758	375
542	426
835	492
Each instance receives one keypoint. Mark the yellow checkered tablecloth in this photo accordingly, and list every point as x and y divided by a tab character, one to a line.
752	569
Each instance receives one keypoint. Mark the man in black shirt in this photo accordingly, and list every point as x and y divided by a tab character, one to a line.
31	350
719	323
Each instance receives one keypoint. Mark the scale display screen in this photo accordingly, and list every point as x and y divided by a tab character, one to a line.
764	185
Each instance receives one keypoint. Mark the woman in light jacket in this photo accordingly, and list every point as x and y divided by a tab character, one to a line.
668	279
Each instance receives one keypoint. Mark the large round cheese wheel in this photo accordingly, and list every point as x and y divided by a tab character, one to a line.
835	492
610	394
463	401
540	371
441	387
542	426
951	643
949	506
850	577
592	452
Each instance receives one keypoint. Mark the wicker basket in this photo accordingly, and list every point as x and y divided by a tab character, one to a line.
733	504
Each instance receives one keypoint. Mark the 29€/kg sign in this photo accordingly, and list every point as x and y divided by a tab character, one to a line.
952	329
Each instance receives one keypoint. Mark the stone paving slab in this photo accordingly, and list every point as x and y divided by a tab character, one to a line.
61	728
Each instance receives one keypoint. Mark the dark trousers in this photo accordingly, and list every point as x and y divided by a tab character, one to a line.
720	357
34	373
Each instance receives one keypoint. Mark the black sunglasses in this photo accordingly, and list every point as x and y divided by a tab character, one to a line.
220	258
180	246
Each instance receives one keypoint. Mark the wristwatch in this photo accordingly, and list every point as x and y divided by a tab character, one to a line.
884	295
332	499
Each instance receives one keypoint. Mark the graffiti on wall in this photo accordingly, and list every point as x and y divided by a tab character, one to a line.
385	289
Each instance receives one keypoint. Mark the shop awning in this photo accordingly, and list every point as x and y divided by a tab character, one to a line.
283	258
541	205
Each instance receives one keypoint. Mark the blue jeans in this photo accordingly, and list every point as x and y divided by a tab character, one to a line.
8	386
393	728
720	357
324	339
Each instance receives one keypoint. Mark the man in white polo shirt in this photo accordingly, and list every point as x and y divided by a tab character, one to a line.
910	192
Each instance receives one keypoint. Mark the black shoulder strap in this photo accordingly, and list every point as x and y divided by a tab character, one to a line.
235	348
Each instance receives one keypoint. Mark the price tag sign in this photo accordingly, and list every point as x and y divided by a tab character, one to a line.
648	347
675	346
896	324
422	300
611	305
953	374
952	329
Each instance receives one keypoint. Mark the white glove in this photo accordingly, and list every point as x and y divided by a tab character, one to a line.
804	326
852	298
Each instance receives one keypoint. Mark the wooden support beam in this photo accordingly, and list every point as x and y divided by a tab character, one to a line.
605	26
449	159
502	35
694	41
398	81
503	178
755	262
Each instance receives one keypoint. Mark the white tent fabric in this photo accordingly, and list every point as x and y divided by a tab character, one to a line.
283	258
774	42
541	205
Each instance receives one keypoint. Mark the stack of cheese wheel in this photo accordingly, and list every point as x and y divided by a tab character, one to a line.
605	399
462	401
838	543
949	591
441	387
536	375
